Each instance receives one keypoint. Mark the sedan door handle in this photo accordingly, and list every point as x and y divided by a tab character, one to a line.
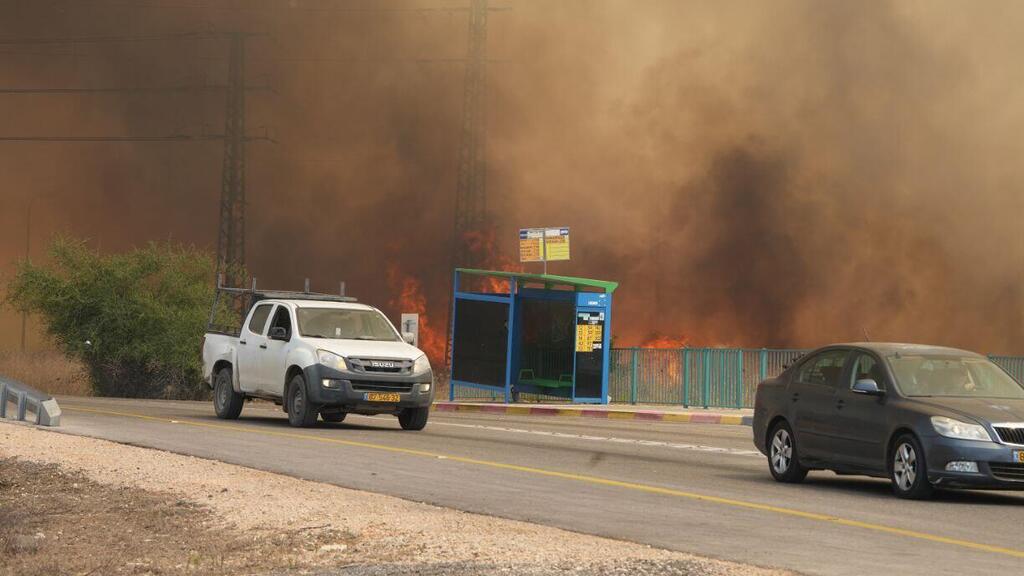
796	396
839	404
264	346
242	342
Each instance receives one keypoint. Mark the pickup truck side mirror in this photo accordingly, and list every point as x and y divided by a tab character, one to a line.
278	333
868	387
409	338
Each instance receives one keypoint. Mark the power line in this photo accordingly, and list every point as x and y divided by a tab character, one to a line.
328	9
124	89
231	230
112	39
157	138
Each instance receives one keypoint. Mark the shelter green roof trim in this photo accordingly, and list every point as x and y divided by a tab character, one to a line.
603	285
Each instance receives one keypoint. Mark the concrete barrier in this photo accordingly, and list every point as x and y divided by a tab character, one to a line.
27	399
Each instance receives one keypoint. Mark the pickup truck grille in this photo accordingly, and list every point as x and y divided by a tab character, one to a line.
367	386
380	365
1009	435
1005	471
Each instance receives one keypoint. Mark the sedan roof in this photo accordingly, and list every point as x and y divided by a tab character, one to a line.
890	348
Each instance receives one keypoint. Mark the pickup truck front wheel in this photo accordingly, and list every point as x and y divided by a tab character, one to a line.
301	412
414	418
333	416
226	402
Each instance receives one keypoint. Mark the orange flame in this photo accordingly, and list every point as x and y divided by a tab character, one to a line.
410	299
481	245
655	340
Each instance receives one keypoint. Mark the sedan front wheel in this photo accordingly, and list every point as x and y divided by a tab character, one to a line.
909	471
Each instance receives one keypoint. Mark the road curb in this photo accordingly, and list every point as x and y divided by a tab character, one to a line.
651	415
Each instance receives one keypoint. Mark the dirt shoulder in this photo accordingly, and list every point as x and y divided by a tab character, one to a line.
75	505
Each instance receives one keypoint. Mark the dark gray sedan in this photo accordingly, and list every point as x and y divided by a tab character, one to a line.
923	416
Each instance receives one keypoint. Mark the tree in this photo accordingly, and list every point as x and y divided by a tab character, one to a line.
136	320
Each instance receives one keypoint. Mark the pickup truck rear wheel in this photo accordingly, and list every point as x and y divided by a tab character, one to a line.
301	412
414	418
226	402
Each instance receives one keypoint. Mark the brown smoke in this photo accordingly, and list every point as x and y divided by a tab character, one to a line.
756	174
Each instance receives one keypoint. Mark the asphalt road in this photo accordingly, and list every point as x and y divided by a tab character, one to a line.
692	487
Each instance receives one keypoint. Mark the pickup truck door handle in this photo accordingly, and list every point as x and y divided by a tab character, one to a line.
839	404
242	342
796	396
264	346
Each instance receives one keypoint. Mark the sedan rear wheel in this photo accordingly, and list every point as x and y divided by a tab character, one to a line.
782	455
908	470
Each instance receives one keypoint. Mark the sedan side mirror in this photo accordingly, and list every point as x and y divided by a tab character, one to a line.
409	338
867	386
278	333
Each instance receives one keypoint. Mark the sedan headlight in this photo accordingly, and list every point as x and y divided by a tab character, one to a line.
951	428
421	365
331	360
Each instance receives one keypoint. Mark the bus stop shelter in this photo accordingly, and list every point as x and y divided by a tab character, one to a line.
538	334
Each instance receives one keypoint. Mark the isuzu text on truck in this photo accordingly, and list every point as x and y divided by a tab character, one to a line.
316	355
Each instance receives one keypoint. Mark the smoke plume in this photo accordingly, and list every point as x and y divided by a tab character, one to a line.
760	174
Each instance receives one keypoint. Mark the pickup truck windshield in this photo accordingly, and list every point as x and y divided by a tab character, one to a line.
345	324
953	377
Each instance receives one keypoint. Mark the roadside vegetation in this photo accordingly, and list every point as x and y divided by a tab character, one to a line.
134	320
48	370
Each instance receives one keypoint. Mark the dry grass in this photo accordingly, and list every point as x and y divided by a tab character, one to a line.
54	521
49	371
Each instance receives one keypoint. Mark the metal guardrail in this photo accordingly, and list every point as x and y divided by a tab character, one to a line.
27	399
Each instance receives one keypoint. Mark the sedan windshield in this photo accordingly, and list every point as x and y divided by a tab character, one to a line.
345	324
967	377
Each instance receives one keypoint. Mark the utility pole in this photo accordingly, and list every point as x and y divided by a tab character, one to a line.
28	245
231	234
471	188
471	191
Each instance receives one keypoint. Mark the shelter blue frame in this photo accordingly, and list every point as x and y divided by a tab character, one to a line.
588	296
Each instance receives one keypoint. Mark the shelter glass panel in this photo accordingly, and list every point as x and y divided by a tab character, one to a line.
481	342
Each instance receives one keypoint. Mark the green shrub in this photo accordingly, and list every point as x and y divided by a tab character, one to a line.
135	320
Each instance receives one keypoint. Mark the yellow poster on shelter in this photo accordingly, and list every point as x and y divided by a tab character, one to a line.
556	244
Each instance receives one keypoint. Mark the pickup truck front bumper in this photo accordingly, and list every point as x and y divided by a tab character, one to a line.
350	391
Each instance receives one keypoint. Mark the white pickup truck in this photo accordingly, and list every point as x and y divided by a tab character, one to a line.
316	354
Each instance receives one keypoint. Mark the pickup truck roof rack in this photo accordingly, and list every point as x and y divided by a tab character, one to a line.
243	300
284	295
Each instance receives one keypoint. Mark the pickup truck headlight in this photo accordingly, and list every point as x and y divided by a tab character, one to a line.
951	428
421	365
331	360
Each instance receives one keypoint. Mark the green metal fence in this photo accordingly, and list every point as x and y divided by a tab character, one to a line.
699	377
711	377
704	377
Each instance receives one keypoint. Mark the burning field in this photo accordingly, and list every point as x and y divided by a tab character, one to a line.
753	174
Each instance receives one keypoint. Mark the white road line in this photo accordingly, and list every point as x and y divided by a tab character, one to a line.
653	443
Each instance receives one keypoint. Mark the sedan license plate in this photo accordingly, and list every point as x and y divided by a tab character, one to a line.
382	397
1018	456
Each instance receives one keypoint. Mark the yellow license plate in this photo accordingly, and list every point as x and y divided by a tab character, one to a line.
382	397
1018	456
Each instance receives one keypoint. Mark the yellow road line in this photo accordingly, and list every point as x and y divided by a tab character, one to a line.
595	480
